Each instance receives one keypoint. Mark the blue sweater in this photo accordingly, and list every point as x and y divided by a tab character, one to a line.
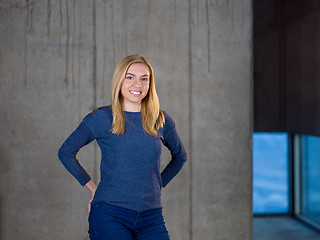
130	164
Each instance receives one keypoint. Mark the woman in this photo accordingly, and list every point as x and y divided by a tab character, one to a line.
127	202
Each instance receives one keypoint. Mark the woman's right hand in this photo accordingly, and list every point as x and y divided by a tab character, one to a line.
92	187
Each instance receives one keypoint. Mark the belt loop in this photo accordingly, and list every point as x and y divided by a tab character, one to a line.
138	215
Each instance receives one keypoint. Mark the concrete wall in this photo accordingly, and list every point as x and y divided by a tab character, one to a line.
56	63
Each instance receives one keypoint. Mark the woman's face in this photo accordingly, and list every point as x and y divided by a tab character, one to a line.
135	86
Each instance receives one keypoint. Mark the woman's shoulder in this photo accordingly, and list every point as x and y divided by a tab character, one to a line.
104	110
101	115
168	119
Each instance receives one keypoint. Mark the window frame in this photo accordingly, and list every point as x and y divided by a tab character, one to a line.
297	184
294	183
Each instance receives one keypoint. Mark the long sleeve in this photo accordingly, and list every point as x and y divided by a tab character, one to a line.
178	154
69	149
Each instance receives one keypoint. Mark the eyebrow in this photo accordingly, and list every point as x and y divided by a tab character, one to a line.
145	75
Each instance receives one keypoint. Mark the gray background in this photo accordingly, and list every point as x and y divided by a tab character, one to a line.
56	63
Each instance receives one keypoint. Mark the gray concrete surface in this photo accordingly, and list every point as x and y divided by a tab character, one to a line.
282	228
56	63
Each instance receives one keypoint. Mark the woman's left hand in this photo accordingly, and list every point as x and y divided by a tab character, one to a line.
92	187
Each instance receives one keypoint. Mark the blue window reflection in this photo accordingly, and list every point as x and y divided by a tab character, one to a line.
270	173
310	174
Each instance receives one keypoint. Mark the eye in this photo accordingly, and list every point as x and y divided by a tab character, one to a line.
144	79
129	77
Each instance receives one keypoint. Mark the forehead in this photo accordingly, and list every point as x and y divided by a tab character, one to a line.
138	68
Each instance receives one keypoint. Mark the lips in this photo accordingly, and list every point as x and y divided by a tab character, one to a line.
135	92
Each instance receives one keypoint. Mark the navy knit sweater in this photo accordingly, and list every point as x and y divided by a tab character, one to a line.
130	164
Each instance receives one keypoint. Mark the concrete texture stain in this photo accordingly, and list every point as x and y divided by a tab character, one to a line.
147	25
31	20
72	49
61	24
26	45
124	19
208	36
197	12
105	21
230	8
113	41
79	61
175	11
94	57
48	17
67	46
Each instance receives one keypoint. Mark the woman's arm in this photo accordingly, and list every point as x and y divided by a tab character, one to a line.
69	149
67	155
179	156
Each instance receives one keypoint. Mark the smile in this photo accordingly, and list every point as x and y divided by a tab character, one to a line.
135	93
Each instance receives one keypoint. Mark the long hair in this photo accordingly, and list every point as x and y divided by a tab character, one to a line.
151	114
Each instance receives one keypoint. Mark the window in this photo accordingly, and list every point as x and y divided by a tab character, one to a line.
270	173
310	177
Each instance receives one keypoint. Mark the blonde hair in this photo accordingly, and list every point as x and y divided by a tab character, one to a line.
151	114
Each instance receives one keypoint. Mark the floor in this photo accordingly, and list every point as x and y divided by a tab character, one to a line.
281	228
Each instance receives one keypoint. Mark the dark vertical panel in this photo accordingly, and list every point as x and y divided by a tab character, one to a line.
286	60
302	66
266	67
293	72
281	33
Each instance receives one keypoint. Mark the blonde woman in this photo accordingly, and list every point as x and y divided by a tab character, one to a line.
127	202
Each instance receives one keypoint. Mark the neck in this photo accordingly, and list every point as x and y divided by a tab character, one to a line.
132	107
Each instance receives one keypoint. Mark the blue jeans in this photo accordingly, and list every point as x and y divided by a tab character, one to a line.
109	222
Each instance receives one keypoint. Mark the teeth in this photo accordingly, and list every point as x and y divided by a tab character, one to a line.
135	92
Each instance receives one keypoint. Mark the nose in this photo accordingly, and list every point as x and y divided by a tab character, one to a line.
137	83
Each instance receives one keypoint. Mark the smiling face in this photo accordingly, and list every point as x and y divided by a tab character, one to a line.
135	86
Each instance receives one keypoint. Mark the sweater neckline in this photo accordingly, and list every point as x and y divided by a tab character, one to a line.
132	114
